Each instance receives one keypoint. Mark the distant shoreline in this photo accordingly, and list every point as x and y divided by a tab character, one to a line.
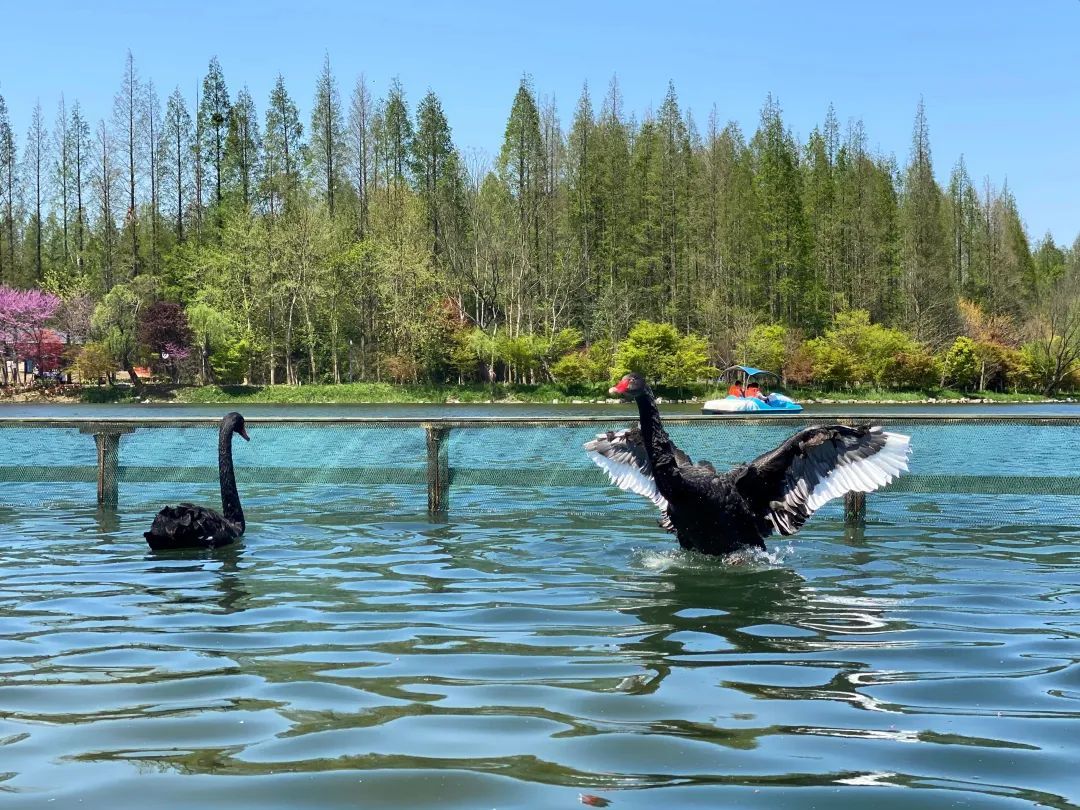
388	393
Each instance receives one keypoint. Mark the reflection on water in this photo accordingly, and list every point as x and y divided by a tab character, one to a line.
339	659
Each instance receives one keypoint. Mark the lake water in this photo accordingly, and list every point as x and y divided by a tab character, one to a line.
535	646
127	411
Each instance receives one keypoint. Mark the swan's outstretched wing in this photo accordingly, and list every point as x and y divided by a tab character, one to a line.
621	454
790	483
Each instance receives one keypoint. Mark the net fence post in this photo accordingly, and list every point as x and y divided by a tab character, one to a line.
438	469
855	509
107	441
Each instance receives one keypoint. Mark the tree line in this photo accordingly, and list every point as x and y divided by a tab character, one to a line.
362	243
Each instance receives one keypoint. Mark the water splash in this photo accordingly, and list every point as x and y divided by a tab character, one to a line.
748	558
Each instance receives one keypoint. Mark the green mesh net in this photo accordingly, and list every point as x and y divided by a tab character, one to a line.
965	471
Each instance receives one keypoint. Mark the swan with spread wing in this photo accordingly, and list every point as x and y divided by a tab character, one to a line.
720	512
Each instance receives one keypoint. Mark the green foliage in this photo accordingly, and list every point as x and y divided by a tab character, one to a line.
690	363
366	246
586	366
437	174
646	350
1049	364
766	346
915	369
392	392
94	394
115	323
662	355
211	327
230	362
855	352
571	369
240	161
93	362
778	186
563	341
522	354
598	361
960	365
327	149
213	118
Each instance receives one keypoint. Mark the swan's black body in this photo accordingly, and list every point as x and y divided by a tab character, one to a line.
190	526
717	513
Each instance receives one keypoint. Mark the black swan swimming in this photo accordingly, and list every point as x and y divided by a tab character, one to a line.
718	513
190	526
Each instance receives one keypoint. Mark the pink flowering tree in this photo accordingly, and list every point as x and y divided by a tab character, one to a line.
23	318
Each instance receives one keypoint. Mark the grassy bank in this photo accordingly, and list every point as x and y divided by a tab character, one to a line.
390	393
428	394
933	394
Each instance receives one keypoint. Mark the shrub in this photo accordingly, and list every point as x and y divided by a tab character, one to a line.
800	368
690	363
571	369
523	354
600	355
662	355
1015	371
401	368
960	365
856	352
830	365
918	369
230	362
93	363
766	346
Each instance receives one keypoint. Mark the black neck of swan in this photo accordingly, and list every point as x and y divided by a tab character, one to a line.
657	443
230	498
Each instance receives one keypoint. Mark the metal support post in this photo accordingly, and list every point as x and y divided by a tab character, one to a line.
438	469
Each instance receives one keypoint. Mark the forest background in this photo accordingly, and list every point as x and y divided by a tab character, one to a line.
221	242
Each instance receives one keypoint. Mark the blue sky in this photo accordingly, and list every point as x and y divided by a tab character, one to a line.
1001	80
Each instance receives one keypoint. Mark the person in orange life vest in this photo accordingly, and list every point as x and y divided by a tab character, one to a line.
734	390
752	390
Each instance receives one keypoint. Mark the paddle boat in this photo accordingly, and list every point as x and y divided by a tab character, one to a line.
741	377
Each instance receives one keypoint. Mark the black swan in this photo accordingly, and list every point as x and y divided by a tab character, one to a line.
190	526
718	513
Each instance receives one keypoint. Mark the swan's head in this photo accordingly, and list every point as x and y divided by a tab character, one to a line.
631	386
234	423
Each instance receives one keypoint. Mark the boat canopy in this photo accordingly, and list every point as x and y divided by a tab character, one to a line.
752	372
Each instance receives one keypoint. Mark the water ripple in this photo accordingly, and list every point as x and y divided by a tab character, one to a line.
492	661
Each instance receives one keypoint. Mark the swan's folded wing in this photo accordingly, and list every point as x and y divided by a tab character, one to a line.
814	466
184	524
621	454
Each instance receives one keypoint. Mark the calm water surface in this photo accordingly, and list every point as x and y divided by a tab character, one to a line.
527	650
9	410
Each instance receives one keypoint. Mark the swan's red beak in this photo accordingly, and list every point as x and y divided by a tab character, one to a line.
243	434
621	387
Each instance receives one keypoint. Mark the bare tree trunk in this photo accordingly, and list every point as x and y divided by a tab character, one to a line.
136	383
334	349
198	168
290	371
153	179
270	296
204	356
310	326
